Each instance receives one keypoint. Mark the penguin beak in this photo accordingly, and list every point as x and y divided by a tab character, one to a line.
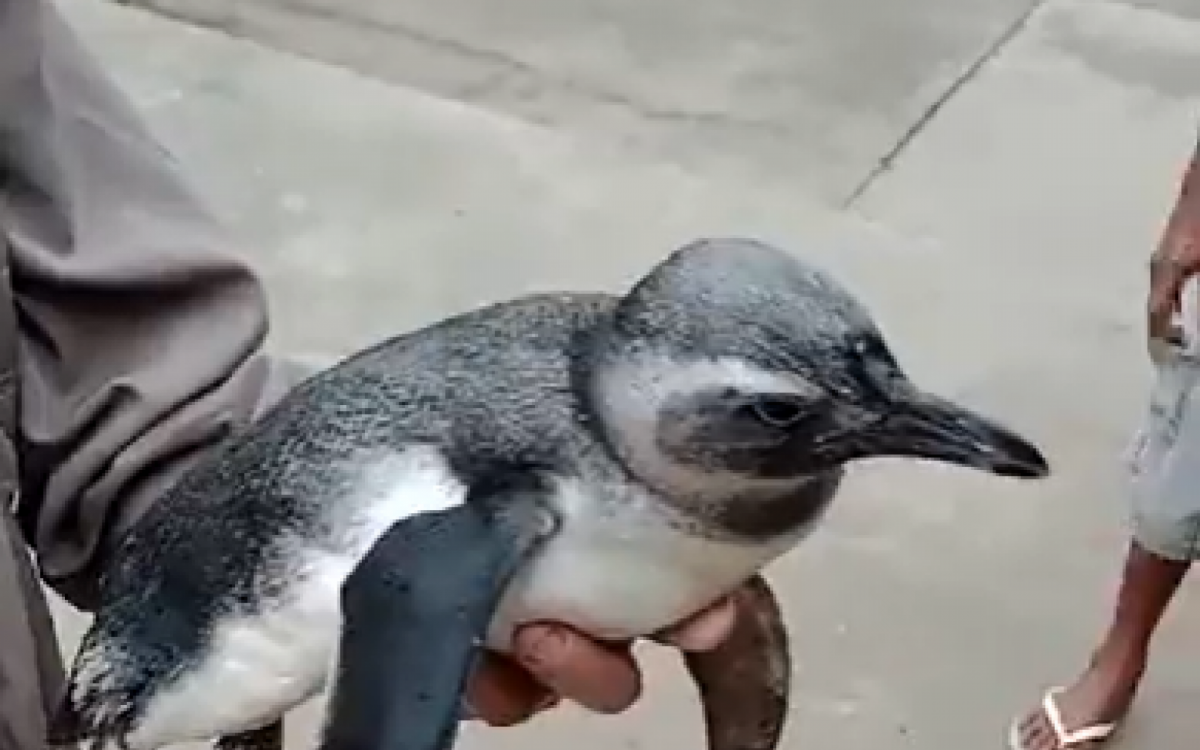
922	425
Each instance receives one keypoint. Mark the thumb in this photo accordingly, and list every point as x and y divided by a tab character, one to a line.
1166	287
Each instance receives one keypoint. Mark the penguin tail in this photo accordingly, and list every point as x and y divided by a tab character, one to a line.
94	708
72	725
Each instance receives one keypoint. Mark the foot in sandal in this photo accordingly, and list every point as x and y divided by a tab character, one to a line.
1086	714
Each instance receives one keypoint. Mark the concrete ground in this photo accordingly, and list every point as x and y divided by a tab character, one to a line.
989	175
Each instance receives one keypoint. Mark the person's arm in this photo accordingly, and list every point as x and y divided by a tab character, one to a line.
138	333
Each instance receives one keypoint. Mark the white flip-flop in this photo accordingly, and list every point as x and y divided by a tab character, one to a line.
1065	740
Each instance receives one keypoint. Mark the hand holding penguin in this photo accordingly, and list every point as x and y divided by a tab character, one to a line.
616	464
552	662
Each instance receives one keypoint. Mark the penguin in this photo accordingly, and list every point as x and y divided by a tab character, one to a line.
614	462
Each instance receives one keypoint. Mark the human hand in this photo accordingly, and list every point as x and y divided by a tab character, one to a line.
1176	259
552	661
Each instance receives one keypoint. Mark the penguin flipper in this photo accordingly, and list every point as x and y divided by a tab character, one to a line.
744	683
414	612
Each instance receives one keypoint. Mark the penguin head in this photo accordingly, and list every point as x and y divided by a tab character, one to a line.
734	363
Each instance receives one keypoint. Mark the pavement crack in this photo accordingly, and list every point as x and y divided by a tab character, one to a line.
226	23
376	25
229	22
494	58
887	162
511	66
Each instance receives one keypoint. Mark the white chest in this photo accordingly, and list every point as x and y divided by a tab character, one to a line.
619	567
623	569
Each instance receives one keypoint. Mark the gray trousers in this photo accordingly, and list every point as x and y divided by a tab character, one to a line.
129	339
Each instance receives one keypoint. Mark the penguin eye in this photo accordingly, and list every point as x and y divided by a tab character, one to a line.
778	411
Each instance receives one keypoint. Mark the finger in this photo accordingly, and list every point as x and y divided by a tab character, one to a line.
502	694
1162	308
1159	314
599	678
704	631
1166	286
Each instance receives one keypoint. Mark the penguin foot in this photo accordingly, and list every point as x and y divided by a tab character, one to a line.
744	682
269	737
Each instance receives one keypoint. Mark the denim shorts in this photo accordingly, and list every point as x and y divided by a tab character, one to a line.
1165	462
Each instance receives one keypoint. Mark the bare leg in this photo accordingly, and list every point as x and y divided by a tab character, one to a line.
269	737
1106	689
